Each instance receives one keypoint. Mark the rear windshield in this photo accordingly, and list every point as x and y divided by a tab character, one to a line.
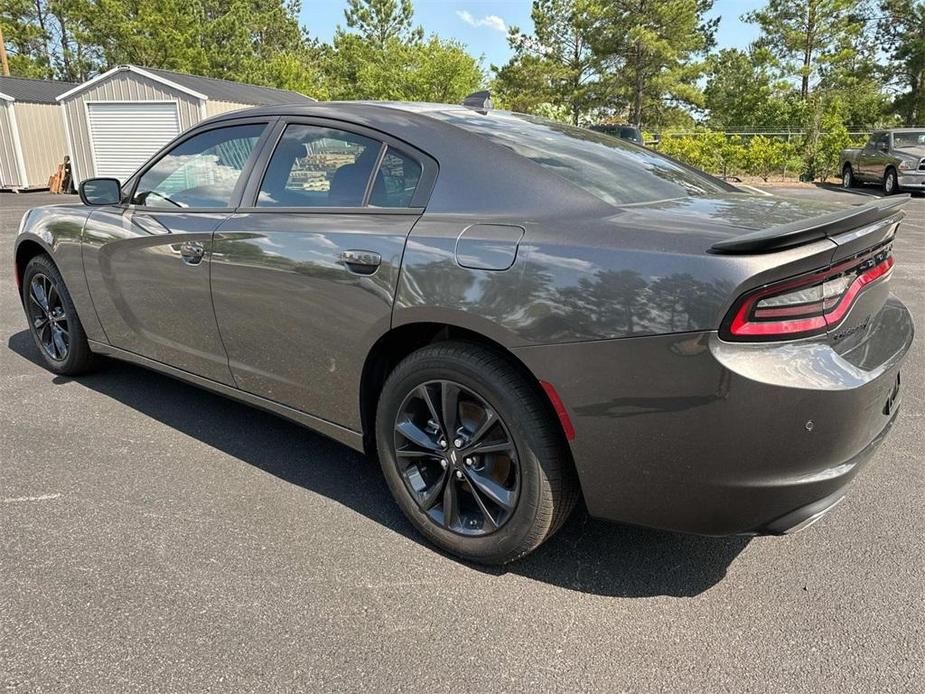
612	169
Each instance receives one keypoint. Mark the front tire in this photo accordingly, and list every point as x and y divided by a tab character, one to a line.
847	177
53	322
890	182
472	453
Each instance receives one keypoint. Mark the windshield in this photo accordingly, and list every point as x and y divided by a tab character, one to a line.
612	169
909	139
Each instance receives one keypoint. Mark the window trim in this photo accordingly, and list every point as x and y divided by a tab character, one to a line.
371	181
429	171
269	124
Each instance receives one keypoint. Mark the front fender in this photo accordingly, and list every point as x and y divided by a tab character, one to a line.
57	231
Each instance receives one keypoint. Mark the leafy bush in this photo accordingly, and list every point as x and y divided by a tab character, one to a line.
728	155
833	139
765	156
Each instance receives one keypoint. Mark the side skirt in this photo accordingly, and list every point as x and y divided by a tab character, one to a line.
340	434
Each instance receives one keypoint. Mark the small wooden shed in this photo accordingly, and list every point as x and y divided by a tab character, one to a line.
117	120
32	135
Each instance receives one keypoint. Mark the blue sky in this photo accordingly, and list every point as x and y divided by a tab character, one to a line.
476	22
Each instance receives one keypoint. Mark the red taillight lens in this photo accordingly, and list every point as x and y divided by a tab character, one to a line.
806	305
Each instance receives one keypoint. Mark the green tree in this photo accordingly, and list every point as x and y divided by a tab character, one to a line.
441	71
260	42
380	55
742	90
811	37
380	21
44	40
523	84
555	64
651	50
74	59
26	41
151	33
253	41
901	31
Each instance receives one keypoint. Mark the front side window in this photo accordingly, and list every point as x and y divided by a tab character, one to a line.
315	166
200	172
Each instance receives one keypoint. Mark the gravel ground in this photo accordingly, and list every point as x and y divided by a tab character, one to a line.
154	537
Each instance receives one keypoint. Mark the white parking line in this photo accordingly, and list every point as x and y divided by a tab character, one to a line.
757	190
41	497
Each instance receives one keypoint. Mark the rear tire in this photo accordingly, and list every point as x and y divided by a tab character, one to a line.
53	322
847	177
450	492
890	182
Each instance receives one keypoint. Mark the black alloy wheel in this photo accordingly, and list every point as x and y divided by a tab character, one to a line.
48	317
473	452
53	322
457	458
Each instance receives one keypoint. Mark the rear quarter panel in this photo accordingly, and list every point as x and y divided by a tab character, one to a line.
579	277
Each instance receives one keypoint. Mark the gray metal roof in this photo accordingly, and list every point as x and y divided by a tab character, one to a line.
226	90
34	91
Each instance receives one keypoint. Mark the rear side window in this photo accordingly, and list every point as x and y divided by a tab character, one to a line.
396	180
314	166
607	167
201	171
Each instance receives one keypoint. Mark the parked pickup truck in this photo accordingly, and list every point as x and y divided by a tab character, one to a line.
894	159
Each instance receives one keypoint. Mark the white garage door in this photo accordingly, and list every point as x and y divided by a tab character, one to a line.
124	136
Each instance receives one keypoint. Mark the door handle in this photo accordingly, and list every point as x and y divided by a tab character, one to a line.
361	262
192	252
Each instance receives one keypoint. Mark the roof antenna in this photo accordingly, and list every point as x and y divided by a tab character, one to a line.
478	101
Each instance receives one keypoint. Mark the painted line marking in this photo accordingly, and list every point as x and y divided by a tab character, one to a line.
753	188
40	497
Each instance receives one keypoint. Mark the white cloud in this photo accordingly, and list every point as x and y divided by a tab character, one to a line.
491	21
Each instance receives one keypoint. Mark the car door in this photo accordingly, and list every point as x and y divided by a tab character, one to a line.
875	157
865	158
304	277
880	158
147	261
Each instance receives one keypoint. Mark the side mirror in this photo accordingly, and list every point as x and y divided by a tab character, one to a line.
100	191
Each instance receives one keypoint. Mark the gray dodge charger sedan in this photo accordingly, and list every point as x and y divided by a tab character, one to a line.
510	313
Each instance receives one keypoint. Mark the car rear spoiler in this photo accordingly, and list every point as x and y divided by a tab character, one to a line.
792	234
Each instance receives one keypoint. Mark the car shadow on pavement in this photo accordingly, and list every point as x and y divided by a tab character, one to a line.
586	555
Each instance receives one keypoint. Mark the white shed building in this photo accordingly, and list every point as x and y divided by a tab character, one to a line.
117	120
32	138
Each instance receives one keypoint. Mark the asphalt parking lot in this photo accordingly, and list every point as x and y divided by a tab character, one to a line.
156	537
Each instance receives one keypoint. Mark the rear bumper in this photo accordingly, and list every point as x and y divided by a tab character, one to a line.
690	433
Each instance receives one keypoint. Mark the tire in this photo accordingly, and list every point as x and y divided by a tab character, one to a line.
890	182
847	177
55	327
533	473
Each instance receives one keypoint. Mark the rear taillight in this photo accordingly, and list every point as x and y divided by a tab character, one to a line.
806	305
